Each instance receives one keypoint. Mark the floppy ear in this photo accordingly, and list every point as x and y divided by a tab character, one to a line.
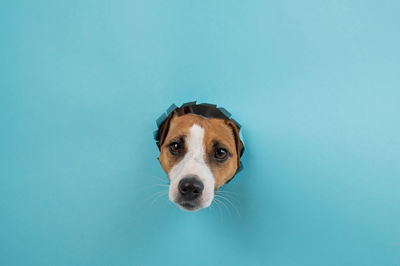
239	143
163	130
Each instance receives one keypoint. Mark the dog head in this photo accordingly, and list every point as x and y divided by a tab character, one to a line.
200	150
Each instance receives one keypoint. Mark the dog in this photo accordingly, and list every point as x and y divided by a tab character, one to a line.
200	150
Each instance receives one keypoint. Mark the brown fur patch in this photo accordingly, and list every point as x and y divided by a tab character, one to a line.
215	130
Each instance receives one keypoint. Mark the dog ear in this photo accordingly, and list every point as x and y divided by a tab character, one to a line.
163	130
239	143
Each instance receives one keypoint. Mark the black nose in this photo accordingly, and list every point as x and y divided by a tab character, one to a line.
190	188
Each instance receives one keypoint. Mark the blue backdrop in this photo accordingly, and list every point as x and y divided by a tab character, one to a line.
315	84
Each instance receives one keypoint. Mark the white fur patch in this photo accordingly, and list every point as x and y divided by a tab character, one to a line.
193	163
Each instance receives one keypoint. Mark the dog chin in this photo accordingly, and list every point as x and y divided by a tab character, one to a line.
189	206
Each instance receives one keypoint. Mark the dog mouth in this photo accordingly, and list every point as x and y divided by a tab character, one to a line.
188	206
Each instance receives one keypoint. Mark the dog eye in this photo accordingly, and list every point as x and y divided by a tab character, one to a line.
221	154
175	148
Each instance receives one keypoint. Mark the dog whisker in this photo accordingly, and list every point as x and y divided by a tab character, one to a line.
229	192
162	185
159	195
225	206
153	186
234	197
219	208
158	192
160	179
229	202
229	196
155	194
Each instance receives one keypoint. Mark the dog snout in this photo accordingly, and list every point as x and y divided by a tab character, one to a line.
190	188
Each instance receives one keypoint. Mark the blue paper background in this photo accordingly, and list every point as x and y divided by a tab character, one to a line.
315	84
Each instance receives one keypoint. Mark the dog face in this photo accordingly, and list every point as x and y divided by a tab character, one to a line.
199	155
